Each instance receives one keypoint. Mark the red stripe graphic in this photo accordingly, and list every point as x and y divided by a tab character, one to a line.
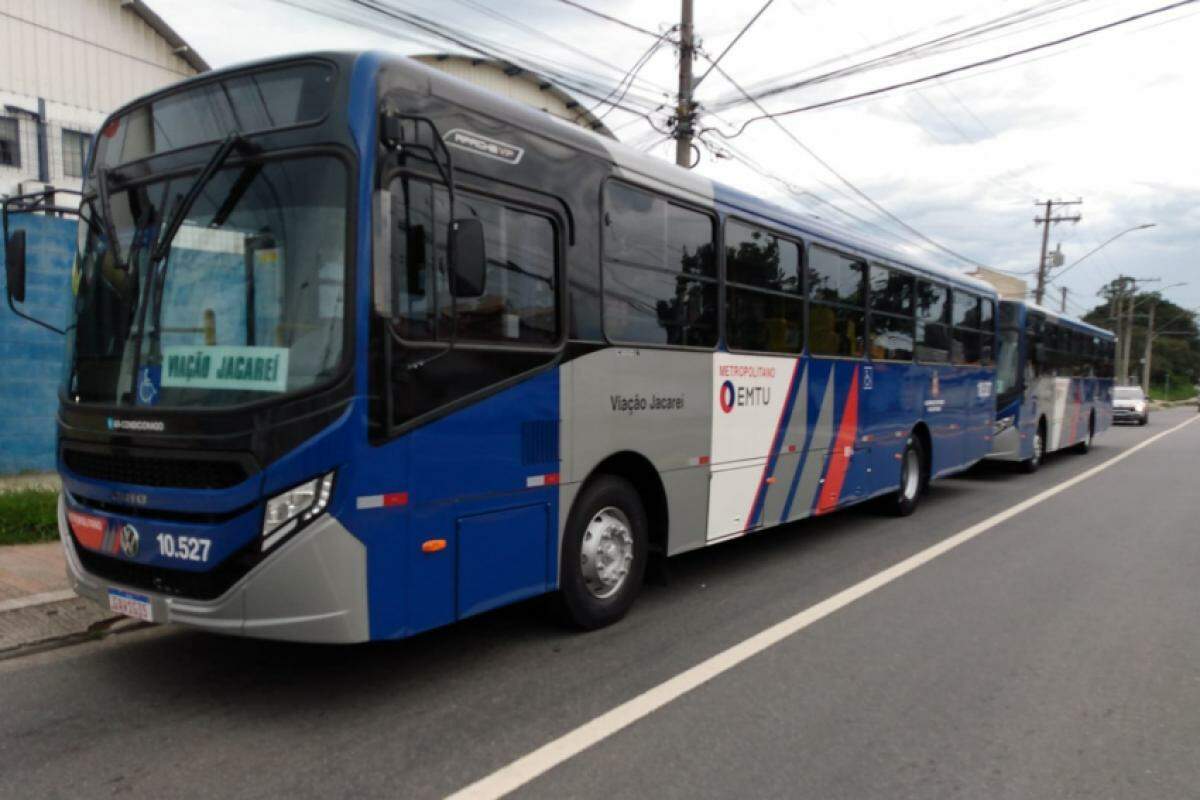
839	459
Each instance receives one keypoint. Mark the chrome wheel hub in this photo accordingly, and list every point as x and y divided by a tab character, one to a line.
607	552
910	481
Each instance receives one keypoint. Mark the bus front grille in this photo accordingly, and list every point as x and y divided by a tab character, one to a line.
138	469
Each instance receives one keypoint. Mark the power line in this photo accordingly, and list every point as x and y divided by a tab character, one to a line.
539	34
729	46
642	61
846	181
476	45
953	70
945	43
602	15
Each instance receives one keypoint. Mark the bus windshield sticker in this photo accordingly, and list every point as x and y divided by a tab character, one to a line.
485	146
256	369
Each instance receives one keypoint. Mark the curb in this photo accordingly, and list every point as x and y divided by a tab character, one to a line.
31	600
39	622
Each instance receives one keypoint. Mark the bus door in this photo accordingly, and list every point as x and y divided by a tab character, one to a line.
474	399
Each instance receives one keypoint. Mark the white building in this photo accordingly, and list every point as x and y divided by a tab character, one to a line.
64	65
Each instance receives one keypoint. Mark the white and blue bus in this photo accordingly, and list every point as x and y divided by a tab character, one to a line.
358	349
1054	384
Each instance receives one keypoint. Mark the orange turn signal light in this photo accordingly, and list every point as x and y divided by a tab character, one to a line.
433	545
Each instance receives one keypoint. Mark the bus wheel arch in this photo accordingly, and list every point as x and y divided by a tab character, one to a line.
637	469
606	543
1032	463
1085	445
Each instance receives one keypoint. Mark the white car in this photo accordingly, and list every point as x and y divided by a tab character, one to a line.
1130	405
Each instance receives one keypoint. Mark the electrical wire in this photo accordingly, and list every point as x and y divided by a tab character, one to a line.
478	46
602	15
642	61
843	179
729	46
945	43
953	70
543	36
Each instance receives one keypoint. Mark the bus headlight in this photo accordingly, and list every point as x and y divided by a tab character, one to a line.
1003	424
290	511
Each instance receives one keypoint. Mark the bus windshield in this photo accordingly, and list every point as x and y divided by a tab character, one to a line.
247	301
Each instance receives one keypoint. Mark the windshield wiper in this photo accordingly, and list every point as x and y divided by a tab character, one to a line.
110	230
184	205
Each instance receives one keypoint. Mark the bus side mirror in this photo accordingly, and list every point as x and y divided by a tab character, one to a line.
468	258
14	266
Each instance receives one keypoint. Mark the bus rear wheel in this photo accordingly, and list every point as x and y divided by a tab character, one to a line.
912	471
604	553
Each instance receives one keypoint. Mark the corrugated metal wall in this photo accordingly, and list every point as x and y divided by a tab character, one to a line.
92	54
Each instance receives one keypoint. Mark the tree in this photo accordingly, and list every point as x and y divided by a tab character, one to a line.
1176	336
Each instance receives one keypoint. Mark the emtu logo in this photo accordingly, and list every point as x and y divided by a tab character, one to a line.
731	396
726	396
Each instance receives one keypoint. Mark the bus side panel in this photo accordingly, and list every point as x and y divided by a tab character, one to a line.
980	414
472	528
653	404
892	405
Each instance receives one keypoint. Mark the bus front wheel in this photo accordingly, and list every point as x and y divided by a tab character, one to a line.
912	471
604	553
1032	463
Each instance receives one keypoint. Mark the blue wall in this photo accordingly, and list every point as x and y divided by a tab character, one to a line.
31	356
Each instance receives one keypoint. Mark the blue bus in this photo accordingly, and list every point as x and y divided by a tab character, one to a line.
1054	384
358	349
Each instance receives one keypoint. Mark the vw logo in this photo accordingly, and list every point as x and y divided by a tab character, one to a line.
129	541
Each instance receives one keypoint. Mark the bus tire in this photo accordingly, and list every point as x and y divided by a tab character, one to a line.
1084	447
1031	464
604	553
912	479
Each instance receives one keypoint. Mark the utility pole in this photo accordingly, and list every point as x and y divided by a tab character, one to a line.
684	109
1062	308
1045	221
1122	317
1149	347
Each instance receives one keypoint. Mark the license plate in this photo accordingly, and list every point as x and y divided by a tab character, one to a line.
130	604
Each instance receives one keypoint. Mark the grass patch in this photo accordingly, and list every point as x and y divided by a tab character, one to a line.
1179	391
28	515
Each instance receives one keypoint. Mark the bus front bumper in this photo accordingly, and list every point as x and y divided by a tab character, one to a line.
1006	445
313	590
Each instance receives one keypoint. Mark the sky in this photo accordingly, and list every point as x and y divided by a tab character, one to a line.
1112	119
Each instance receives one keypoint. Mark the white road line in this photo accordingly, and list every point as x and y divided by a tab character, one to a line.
525	769
18	603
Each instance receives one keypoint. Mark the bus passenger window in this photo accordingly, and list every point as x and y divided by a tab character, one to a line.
660	274
837	295
933	334
764	306
892	323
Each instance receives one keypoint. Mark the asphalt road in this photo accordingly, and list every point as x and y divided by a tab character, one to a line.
1054	655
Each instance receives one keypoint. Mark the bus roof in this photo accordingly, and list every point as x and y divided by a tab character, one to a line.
1064	318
